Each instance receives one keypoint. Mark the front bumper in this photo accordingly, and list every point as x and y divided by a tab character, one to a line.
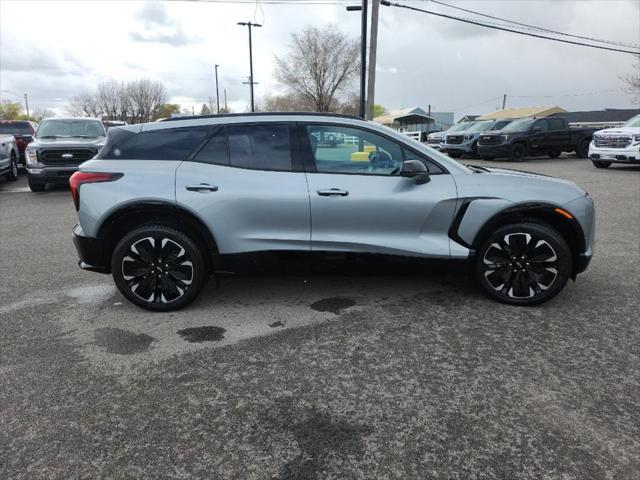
40	173
493	150
435	146
615	155
91	251
457	148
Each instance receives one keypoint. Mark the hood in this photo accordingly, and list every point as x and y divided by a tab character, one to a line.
67	142
619	131
532	175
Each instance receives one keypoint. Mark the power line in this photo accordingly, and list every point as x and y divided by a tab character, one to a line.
480	24
612	42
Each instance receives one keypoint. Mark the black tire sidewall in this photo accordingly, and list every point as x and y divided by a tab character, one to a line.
512	152
565	263
192	249
599	164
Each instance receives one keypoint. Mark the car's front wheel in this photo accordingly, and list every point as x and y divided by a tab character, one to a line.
600	164
517	152
158	268
523	263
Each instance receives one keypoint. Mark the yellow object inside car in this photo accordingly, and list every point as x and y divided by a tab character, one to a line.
360	156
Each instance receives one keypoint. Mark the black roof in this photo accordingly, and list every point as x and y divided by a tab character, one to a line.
261	114
606	115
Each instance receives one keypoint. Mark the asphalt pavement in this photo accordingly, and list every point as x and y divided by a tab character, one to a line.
319	376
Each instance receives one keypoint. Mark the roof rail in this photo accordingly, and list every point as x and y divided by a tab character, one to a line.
261	114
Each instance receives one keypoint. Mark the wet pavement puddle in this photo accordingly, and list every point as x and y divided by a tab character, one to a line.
202	334
333	305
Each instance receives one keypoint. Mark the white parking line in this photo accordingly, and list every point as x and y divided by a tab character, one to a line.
16	190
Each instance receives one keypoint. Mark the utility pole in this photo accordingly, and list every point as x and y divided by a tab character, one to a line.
373	47
217	92
363	52
251	82
193	111
504	101
26	103
226	110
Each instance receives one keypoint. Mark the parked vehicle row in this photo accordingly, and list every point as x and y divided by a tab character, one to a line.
22	131
464	142
616	145
162	204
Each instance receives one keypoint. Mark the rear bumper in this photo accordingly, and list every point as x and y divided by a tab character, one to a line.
39	173
493	150
90	250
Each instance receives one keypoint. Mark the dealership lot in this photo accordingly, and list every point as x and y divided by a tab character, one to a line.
358	376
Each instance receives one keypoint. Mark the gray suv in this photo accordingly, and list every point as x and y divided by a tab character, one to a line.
163	204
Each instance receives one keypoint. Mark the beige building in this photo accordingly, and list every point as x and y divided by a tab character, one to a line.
522	112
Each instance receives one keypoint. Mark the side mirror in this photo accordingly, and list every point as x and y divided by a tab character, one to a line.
415	169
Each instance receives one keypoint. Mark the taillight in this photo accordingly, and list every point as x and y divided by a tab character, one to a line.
80	178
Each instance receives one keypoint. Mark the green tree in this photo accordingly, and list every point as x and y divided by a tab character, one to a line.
378	110
11	110
166	110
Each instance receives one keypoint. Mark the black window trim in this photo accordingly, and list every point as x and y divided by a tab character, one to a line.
310	164
294	147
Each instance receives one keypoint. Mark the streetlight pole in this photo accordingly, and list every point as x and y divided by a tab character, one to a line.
217	92
363	53
26	103
251	83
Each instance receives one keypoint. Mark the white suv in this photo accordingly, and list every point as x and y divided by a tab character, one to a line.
616	145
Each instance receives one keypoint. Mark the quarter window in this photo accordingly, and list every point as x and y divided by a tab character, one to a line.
260	147
339	149
215	151
168	143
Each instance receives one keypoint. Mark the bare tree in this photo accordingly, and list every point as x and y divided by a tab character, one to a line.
146	97
39	114
320	63
293	102
84	105
632	80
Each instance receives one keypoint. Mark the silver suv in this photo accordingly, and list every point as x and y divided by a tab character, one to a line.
164	203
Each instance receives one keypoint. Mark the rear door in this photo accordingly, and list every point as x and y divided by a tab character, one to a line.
559	138
248	186
359	201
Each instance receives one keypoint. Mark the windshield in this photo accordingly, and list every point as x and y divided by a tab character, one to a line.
481	126
17	128
519	125
632	122
70	128
458	127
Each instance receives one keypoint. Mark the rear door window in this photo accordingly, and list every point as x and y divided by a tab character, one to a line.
260	147
215	151
541	125
556	124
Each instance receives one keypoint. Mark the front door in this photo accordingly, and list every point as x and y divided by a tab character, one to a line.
359	201
248	186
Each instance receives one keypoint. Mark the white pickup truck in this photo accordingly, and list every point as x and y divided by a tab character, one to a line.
616	145
8	157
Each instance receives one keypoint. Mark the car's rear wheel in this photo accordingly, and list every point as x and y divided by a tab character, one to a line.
517	152
600	164
582	150
454	154
12	174
523	263
158	268
488	157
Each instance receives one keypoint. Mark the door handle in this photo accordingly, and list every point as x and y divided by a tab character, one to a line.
333	192
203	187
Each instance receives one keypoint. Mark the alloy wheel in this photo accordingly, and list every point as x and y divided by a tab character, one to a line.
520	265
157	269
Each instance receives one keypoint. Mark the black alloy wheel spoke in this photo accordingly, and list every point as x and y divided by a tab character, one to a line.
532	282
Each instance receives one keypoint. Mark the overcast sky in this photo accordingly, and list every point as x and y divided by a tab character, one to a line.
55	49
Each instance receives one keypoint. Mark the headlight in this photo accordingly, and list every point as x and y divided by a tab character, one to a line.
504	138
31	156
636	138
468	137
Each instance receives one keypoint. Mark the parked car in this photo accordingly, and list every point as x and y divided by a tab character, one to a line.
59	146
8	157
436	139
535	136
463	142
113	123
23	133
163	203
616	145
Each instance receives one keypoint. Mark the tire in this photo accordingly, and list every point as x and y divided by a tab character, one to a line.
454	154
35	186
505	276
488	157
12	174
147	283
554	154
517	152
582	150
601	164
